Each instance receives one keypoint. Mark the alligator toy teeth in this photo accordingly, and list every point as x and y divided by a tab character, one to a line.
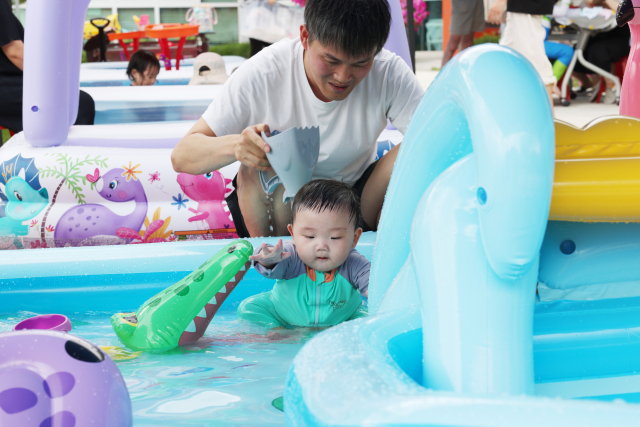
180	314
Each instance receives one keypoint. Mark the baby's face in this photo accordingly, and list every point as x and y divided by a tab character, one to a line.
148	78
324	239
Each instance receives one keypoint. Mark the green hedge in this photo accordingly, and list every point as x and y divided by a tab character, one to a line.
487	38
239	49
4	136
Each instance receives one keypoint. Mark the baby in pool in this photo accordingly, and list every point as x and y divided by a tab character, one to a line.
320	276
143	68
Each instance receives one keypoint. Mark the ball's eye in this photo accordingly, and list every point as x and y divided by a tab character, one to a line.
18	196
113	184
83	350
208	175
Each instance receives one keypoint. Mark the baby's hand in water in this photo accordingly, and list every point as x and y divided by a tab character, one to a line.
269	257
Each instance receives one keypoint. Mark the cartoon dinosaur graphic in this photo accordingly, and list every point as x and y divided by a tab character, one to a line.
23	204
21	197
209	191
89	220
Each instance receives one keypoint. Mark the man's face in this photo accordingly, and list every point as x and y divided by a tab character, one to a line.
332	74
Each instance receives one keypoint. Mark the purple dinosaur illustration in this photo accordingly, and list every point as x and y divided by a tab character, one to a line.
85	221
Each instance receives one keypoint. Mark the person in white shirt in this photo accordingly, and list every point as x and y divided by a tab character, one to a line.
336	76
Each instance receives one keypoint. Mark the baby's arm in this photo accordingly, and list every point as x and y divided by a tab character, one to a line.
356	270
270	256
277	262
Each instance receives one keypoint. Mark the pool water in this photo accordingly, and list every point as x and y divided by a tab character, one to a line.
231	376
126	113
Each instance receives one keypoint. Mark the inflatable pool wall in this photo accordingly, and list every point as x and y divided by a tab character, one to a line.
455	336
72	202
181	313
80	196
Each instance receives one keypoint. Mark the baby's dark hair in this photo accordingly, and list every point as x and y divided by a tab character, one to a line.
322	194
140	61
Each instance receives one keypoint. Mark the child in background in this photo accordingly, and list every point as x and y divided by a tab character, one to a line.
560	53
143	68
320	277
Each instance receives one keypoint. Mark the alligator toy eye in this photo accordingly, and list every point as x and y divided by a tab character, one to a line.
18	196
208	175
113	184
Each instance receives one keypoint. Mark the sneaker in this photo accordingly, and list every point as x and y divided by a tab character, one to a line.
609	96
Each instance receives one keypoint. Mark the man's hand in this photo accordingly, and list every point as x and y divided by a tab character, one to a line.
496	11
269	257
251	150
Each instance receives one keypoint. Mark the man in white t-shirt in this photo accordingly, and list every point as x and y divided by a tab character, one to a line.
337	77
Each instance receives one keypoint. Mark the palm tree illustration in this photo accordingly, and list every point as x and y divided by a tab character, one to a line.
68	170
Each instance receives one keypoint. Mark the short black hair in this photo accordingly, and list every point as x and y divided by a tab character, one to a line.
354	27
321	194
140	61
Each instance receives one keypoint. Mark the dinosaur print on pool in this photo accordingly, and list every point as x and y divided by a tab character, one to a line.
90	220
21	197
209	191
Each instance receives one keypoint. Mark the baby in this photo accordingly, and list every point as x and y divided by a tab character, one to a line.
320	277
143	68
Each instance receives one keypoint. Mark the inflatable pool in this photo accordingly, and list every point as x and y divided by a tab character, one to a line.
115	75
500	294
126	104
123	64
231	375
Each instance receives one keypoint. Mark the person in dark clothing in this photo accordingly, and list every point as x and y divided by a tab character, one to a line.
603	51
606	48
11	80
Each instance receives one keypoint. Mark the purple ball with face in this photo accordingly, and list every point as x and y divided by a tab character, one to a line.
54	379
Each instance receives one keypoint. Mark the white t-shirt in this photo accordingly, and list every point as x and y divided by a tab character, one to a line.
272	88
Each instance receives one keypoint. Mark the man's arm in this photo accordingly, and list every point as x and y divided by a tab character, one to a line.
15	53
200	151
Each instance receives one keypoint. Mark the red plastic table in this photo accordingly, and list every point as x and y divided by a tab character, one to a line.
121	37
162	32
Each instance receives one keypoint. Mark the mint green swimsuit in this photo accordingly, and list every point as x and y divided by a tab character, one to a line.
305	297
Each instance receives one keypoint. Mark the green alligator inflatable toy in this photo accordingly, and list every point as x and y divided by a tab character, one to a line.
180	314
